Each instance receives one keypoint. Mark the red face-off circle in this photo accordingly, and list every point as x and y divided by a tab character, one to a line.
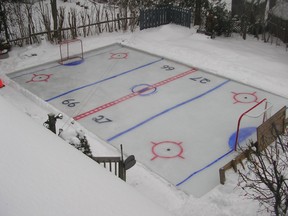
167	150
245	97
40	78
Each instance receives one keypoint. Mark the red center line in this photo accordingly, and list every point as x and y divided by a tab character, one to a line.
126	97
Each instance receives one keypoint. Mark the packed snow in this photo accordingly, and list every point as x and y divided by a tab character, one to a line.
43	175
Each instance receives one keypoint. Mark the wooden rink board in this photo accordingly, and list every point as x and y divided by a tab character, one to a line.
266	133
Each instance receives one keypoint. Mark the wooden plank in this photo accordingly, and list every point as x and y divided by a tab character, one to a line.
233	164
106	159
266	132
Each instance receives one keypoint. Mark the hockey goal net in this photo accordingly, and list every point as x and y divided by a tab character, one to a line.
71	52
250	120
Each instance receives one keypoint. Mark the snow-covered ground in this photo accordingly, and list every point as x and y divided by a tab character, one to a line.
34	164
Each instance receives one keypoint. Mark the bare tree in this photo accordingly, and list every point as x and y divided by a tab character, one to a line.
3	20
266	177
124	13
54	12
84	19
45	19
18	20
61	19
72	20
31	25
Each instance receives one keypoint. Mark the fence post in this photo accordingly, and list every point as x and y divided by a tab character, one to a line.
122	173
52	122
141	18
234	165
222	175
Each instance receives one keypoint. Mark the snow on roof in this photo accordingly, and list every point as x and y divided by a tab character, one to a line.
43	175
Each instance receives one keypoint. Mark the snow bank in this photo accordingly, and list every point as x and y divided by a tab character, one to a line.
249	61
43	175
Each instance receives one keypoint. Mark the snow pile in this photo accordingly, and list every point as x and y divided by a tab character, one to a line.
42	175
249	61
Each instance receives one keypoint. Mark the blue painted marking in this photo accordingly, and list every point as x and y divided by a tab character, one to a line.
74	63
200	170
244	133
100	81
142	92
165	111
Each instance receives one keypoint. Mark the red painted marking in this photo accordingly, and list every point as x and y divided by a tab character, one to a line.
245	97
239	121
126	97
156	155
40	78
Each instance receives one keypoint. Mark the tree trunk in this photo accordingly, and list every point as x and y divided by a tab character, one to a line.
55	18
3	20
197	20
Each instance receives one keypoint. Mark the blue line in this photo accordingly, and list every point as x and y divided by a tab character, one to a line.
200	170
165	111
100	81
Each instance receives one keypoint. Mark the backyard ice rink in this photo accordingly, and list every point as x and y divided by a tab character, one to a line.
177	120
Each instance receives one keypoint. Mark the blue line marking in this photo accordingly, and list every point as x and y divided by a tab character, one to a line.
200	170
103	80
165	111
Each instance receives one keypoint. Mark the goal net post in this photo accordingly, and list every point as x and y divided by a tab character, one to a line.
249	121
71	52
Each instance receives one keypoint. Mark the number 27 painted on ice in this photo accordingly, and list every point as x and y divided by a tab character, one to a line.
101	119
201	80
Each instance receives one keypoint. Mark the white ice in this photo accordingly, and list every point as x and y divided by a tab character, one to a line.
172	127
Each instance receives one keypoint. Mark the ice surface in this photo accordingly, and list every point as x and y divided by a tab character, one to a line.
165	113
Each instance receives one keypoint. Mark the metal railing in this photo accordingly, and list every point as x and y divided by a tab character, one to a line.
117	165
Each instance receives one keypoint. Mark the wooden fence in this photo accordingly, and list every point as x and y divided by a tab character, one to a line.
163	15
117	165
278	28
233	164
113	164
69	33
